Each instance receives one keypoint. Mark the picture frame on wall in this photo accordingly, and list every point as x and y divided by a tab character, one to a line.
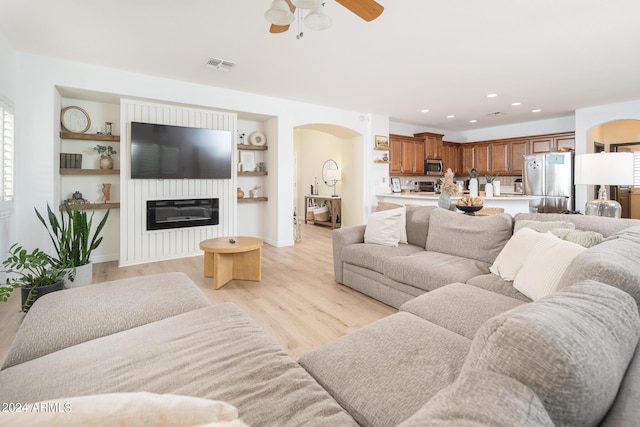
395	184
381	142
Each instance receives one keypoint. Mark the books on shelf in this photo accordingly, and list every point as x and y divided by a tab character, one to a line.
70	161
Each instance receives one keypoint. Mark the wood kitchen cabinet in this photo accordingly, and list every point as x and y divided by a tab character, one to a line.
406	155
433	145
482	158
518	150
451	157
507	156
467	152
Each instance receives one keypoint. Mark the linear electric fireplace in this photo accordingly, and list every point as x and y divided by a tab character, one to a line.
182	213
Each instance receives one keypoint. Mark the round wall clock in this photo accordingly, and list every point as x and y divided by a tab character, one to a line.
75	119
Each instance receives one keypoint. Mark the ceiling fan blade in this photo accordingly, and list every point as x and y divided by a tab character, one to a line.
276	29
365	9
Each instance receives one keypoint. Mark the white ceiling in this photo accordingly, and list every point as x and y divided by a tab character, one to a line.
445	56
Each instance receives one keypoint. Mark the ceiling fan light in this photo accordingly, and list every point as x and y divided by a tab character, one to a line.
318	19
307	4
279	13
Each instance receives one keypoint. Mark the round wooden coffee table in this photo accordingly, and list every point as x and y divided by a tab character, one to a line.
225	261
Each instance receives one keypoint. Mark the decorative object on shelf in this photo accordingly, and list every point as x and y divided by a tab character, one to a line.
447	185
253	193
240	193
106	162
241	139
77	195
106	192
488	187
395	184
385	157
469	204
331	174
71	201
604	169
257	138
70	161
107	128
381	142
247	161
473	182
75	119
262	167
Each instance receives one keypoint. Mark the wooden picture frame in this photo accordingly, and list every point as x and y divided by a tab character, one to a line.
395	184
381	142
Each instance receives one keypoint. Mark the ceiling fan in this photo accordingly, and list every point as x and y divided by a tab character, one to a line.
281	13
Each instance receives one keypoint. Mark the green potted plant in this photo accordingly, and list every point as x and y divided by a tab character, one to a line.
36	273
106	162
72	240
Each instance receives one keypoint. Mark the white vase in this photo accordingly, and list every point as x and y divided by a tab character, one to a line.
496	188
488	190
84	276
473	187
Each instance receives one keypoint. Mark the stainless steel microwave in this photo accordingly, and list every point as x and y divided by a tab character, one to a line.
433	167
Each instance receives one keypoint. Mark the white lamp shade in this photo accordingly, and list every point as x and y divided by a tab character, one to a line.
307	4
334	175
279	13
604	169
318	19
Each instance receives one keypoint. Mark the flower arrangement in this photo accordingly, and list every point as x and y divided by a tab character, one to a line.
105	151
447	186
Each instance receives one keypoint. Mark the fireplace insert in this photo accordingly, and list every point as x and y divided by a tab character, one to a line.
181	213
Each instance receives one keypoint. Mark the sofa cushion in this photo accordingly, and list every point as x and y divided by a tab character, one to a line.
475	237
385	227
542	226
482	398
373	256
378	286
616	261
216	353
602	225
127	409
582	237
104	308
571	348
459	308
496	284
384	372
429	270
514	253
625	410
418	224
544	266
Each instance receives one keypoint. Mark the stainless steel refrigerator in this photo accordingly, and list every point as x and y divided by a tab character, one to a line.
549	176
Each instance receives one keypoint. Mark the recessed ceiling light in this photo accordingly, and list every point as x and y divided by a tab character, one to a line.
473	121
424	111
537	110
492	95
450	116
515	104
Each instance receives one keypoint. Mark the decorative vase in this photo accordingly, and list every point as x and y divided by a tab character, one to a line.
39	291
83	277
106	162
488	189
106	191
240	193
496	188
253	193
473	187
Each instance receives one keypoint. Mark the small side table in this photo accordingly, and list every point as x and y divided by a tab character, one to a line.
225	261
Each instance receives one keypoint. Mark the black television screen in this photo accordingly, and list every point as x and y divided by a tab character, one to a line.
176	152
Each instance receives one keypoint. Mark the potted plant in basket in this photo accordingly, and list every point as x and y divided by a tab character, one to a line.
72	240
106	162
36	273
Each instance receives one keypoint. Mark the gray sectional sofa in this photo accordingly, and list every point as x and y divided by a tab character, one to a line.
465	347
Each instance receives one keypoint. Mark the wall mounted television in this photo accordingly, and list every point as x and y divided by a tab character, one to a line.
176	152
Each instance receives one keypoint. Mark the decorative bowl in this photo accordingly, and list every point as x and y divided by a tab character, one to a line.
469	210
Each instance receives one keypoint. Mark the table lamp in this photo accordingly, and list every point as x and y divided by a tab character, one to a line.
334	175
604	169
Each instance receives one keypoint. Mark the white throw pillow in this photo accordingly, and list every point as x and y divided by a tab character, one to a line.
127	409
514	253
383	227
548	259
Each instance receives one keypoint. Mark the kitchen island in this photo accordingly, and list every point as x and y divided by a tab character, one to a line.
511	203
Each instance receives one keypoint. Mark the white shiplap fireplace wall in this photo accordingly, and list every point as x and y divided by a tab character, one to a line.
137	245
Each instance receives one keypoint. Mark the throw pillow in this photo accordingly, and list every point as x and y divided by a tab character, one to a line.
383	227
583	238
403	222
542	226
514	253
543	268
128	409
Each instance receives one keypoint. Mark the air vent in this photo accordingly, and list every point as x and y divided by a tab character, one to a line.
495	113
220	64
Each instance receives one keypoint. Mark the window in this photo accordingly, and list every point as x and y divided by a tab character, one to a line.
6	156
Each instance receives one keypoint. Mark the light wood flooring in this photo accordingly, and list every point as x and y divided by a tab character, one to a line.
297	302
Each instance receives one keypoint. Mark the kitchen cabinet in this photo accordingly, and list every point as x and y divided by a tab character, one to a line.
433	144
467	158
518	150
507	156
406	155
542	145
482	158
451	157
554	142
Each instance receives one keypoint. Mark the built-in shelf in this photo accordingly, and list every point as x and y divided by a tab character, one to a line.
90	136
71	171
91	206
252	147
253	199
253	173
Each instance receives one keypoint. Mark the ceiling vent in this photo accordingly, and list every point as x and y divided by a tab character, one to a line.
220	64
495	113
